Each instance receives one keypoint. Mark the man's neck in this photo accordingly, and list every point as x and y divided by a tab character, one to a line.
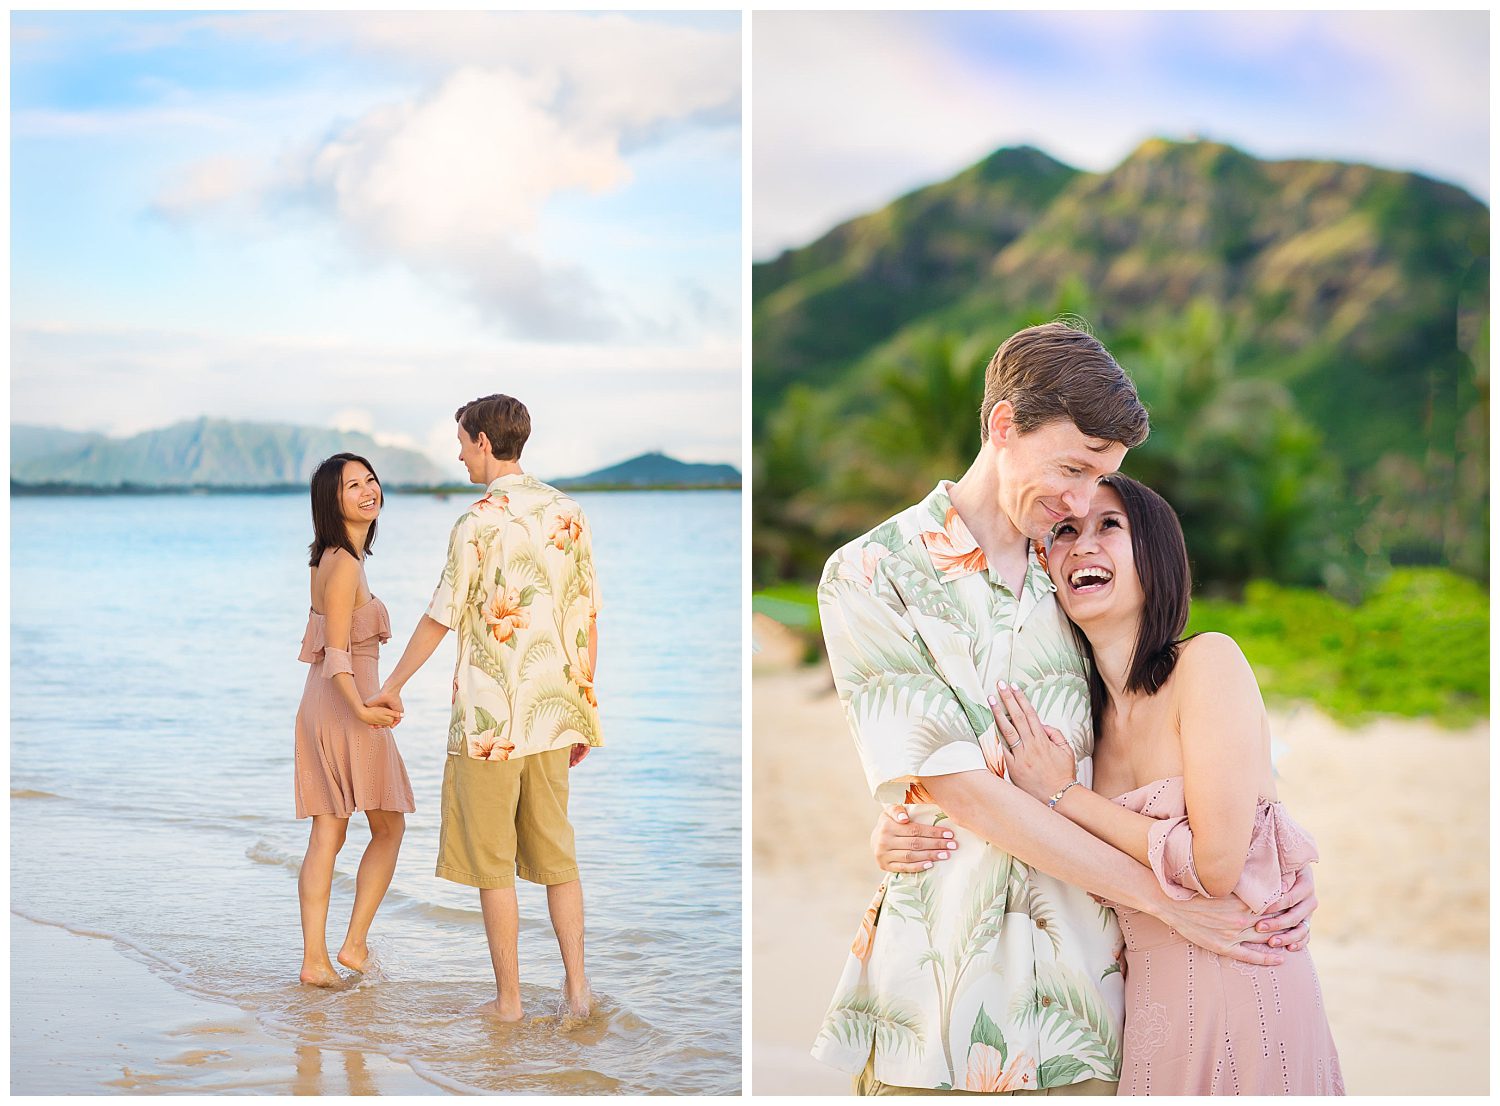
976	496
494	469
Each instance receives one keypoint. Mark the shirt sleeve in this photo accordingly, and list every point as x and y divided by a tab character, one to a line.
907	721
452	590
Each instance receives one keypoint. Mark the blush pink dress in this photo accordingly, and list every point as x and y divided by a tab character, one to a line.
342	764
1196	1024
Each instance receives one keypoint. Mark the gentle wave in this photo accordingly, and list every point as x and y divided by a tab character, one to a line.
27	793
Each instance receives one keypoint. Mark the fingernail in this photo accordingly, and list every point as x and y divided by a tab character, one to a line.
993	700
901	818
947	833
1003	685
927	864
942	856
1274	941
1264	926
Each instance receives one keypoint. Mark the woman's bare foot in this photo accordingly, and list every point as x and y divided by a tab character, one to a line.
320	975
503	1012
578	1000
354	957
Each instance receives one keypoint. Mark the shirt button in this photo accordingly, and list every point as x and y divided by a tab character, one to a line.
1046	1000
1041	923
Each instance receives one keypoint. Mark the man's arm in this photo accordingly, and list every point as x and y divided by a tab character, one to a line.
424	640
1011	820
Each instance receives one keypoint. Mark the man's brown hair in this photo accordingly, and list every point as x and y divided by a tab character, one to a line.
503	419
1058	371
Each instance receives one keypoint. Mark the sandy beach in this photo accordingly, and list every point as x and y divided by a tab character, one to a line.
1400	810
108	1024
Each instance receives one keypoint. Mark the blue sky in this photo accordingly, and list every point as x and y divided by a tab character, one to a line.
851	109
364	219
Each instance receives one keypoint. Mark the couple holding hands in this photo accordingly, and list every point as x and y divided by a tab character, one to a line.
518	589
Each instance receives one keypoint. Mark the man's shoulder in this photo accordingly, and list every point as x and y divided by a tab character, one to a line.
859	560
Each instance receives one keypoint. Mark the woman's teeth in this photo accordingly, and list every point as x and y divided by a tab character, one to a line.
1090	579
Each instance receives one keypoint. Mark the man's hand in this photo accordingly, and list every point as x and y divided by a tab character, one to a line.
390	701
901	845
1223	926
576	755
1285	921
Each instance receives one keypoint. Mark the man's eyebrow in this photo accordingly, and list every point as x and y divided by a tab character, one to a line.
1102	447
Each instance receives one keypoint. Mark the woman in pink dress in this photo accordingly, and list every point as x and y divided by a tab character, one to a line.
346	756
1183	783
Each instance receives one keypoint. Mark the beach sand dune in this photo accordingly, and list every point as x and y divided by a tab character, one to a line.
1400	811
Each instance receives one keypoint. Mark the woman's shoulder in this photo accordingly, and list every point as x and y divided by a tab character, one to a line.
339	569
1211	667
1210	652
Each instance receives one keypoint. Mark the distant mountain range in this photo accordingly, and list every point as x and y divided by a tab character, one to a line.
656	470
217	453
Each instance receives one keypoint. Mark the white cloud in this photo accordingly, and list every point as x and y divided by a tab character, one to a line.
516	110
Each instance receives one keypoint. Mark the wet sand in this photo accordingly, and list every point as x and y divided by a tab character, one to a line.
108	1024
1400	810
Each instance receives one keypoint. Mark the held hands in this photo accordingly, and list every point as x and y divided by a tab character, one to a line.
576	755
384	709
1038	758
901	845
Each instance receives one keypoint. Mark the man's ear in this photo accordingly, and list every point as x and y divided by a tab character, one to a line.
482	440
1002	422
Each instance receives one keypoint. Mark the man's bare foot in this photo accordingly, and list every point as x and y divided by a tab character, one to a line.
505	1012
354	957
578	1000
320	975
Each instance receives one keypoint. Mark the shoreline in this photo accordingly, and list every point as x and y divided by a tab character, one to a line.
153	1037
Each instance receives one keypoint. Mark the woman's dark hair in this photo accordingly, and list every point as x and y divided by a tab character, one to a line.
1161	564
329	531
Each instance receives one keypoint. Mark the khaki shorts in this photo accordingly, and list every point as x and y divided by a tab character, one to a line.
504	818
865	1083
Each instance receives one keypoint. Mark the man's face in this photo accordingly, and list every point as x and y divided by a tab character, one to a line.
472	454
1050	473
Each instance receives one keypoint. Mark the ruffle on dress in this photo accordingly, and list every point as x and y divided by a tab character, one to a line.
369	627
1279	847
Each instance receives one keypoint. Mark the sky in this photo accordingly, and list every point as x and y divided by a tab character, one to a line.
364	220
852	109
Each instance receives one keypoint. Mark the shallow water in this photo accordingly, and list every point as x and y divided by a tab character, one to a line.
154	683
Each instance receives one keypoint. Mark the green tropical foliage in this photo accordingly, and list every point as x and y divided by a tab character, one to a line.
858	1018
1311	337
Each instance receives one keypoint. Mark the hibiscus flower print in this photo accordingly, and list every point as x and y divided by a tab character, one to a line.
504	614
567	528
864	939
491	500
490	746
582	674
953	549
988	1072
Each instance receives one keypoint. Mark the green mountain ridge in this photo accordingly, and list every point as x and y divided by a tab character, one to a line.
1337	308
656	470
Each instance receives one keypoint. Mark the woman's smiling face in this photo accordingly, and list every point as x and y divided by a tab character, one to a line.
1092	562
359	493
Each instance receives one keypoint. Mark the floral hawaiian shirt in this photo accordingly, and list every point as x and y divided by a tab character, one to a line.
519	589
980	973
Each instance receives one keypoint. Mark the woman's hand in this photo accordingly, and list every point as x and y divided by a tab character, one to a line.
378	716
901	845
1038	758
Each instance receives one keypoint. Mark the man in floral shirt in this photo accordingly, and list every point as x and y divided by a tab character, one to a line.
993	971
519	590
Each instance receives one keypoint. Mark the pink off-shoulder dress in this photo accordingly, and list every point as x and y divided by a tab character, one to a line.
1196	1024
342	764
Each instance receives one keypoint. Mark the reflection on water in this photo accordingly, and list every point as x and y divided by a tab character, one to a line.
153	692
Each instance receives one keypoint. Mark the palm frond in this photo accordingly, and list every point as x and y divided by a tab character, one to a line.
540	649
527	561
984	911
481	658
1071	1005
559	708
857	1019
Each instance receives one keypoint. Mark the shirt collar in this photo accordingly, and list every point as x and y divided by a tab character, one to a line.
508	481
954	551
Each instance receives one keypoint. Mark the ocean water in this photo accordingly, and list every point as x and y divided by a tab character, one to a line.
154	682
